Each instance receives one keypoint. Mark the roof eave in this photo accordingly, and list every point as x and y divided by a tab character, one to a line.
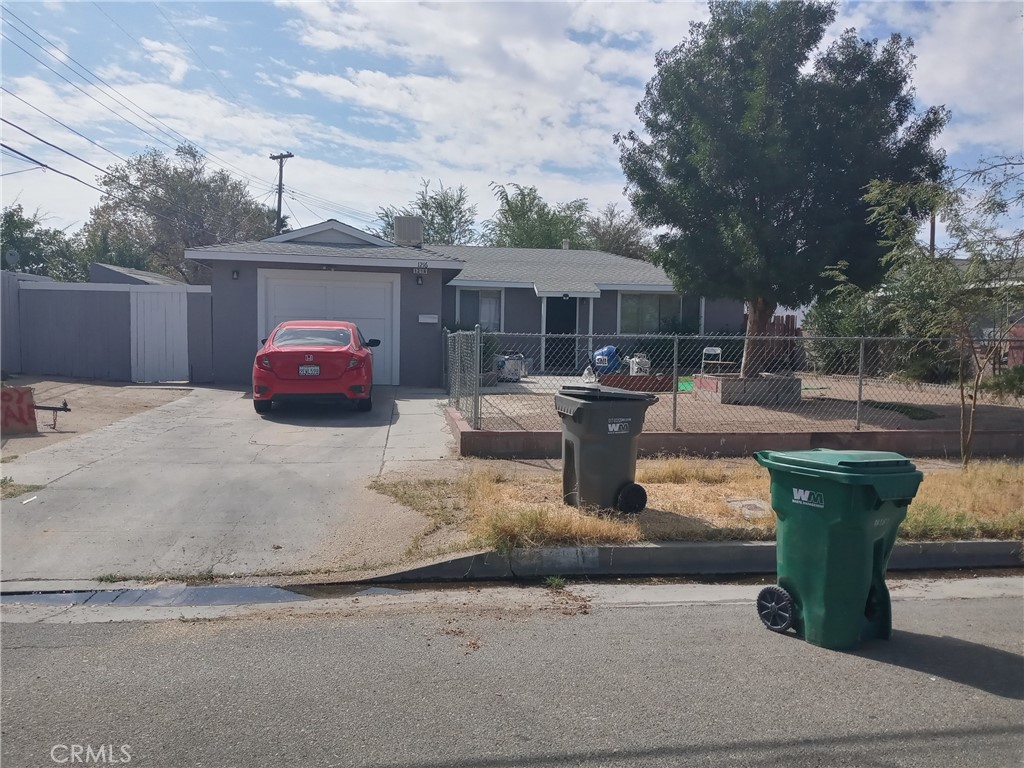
423	261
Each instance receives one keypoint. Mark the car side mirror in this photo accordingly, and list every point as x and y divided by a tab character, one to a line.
373	343
263	341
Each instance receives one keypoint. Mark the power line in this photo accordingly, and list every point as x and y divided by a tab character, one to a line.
84	92
194	51
135	109
63	125
114	22
23	170
107	192
294	217
89	76
5	121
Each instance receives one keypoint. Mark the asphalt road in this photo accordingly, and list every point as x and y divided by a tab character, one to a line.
205	485
531	678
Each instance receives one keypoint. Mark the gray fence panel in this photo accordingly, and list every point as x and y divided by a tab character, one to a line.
76	333
200	337
10	343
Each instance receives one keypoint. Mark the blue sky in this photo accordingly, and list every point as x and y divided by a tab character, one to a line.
372	97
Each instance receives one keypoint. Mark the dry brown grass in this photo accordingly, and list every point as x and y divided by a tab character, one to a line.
984	501
687	500
508	512
11	490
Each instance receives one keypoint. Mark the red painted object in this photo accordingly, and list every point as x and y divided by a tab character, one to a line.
18	406
323	360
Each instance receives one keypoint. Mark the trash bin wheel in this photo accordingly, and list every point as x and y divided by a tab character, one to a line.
775	607
631	499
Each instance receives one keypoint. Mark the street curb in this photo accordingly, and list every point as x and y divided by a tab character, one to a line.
690	559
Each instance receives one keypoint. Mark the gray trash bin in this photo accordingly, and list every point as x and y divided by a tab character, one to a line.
600	427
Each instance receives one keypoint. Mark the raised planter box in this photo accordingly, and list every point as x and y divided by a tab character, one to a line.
652	382
730	389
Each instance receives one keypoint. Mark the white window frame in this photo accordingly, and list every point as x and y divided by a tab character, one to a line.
618	310
458	305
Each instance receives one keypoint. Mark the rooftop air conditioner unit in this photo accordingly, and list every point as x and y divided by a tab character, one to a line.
409	231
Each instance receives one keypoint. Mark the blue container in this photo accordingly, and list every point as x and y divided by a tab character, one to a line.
606	360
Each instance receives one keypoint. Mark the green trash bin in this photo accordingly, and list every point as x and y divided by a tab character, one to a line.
838	514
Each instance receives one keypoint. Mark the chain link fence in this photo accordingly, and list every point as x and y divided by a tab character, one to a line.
791	384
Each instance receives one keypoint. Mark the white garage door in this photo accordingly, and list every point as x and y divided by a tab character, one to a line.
368	299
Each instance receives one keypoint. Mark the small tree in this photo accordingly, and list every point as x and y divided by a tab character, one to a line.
525	220
448	216
619	232
971	287
756	148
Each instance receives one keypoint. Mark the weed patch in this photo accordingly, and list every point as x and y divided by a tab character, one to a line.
10	489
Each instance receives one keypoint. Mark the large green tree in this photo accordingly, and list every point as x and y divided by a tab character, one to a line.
160	205
525	220
756	148
448	216
40	250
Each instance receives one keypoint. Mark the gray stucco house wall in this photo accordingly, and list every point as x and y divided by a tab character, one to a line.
432	284
235	326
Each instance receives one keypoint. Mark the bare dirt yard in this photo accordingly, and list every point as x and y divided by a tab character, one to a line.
828	404
93	404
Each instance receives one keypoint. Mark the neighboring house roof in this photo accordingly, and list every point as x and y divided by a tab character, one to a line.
547	271
329	243
320	253
144	277
554	271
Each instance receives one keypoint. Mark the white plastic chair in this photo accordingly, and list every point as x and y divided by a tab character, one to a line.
710	355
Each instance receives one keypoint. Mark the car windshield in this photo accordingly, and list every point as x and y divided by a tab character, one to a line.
313	337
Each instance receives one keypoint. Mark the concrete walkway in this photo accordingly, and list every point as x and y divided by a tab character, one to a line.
205	485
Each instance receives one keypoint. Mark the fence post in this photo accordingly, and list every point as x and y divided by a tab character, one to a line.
860	382
446	363
675	380
477	340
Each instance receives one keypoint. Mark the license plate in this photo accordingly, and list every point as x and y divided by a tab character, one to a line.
309	370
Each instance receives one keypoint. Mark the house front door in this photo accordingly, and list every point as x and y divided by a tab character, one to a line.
560	353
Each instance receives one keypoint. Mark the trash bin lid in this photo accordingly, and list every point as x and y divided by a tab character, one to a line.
598	392
841	462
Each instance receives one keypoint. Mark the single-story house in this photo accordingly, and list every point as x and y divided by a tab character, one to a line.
404	293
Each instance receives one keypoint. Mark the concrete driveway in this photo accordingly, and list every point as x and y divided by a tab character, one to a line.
204	485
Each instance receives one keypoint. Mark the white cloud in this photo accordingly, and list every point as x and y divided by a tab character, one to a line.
169	56
481	92
202	22
970	57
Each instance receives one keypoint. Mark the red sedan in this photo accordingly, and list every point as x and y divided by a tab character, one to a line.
314	360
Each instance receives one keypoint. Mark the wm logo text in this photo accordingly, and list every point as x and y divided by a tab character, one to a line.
808	498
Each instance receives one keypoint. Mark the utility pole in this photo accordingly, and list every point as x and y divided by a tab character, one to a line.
280	187
931	239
